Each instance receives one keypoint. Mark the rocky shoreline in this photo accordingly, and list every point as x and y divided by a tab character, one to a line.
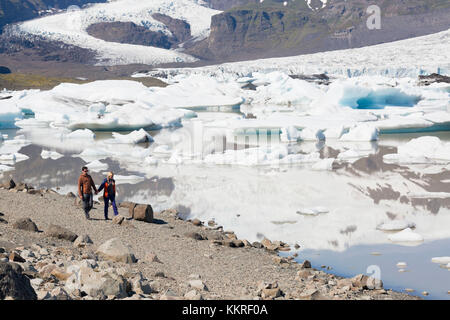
49	251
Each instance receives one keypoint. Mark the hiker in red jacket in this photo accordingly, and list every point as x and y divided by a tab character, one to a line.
109	193
85	186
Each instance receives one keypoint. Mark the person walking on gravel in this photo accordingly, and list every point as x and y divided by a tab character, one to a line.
109	193
85	186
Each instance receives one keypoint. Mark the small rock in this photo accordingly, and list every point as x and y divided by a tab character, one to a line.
115	250
305	265
118	219
309	294
14	256
61	233
271	293
193	295
82	241
151	257
197	284
409	290
257	244
59	294
425	293
196	222
194	235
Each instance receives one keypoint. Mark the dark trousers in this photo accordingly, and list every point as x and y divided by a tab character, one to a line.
113	201
88	203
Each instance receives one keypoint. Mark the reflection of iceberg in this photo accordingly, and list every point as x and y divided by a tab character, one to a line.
421	150
406	236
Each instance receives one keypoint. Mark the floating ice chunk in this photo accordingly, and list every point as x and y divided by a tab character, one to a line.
402	265
396	225
311	134
134	137
14	157
18	140
164	149
361	132
97	166
9	113
151	161
312	211
406	236
441	260
46	154
81	134
131	179
324	164
31	122
98	109
4	168
421	150
334	132
91	154
289	134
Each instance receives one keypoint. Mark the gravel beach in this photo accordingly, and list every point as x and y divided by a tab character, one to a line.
172	258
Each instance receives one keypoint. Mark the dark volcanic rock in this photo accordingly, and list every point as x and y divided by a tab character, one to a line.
26	224
433	78
14	284
4	70
128	32
273	30
61	233
180	29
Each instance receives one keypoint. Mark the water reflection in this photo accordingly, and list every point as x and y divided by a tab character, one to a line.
255	202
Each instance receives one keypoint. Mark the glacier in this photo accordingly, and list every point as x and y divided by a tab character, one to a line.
70	27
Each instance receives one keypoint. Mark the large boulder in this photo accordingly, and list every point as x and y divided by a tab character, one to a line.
115	250
61	233
143	212
14	284
95	284
25	224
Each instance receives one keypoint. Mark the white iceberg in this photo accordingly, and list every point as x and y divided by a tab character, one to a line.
312	211
406	236
46	154
363	132
396	225
441	260
425	149
97	166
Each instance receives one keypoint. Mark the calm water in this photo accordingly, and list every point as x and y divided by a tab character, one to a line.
258	202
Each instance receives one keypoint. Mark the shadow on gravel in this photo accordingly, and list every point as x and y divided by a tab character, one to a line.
158	221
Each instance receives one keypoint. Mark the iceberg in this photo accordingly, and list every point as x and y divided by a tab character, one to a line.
441	260
46	154
97	166
363	132
425	149
134	137
312	211
396	225
406	236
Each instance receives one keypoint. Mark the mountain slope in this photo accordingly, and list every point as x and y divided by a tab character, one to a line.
143	31
13	11
271	29
71	28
